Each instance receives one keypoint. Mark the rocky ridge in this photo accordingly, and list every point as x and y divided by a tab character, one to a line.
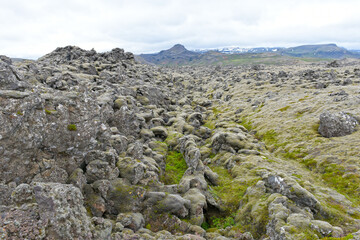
97	146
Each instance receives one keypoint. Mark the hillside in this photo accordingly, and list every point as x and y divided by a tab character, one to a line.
177	55
97	146
180	56
320	51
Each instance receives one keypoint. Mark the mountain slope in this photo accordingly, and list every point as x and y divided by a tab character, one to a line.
319	51
177	55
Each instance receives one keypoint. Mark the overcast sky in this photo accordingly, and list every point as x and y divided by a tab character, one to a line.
32	28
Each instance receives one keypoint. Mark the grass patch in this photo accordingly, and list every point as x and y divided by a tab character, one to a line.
345	183
303	99
283	109
216	111
222	222
247	124
175	168
229	192
210	125
309	163
348	237
71	127
315	127
269	137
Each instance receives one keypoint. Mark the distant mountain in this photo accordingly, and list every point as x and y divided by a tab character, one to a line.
234	50
320	51
179	55
20	59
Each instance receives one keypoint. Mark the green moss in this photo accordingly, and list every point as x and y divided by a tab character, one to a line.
229	192
294	154
303	99
205	226
172	139
222	222
72	127
212	155
315	127
148	226
348	237
175	168
160	147
210	125
48	111
283	109
297	175
337	177
19	113
309	163
247	124
269	137
216	111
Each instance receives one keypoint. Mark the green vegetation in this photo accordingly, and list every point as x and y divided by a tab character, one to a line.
337	177
72	127
49	112
246	124
210	125
216	111
175	168
309	163
160	147
228	191
348	237
222	222
19	113
283	109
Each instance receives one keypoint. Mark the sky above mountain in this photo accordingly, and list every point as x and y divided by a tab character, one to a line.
31	29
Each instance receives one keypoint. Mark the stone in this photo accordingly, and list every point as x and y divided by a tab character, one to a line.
97	170
134	221
198	204
336	124
160	131
58	213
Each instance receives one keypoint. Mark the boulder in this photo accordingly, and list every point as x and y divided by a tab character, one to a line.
58	213
134	221
337	124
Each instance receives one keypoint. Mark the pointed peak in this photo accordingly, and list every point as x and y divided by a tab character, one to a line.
178	48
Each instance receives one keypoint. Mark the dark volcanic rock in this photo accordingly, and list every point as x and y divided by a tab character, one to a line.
337	124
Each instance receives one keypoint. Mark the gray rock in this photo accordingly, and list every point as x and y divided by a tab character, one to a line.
97	170
336	124
103	228
171	203
190	151
132	170
134	221
58	213
123	197
291	189
160	131
5	194
23	194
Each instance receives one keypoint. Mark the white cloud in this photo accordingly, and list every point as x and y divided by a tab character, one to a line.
34	28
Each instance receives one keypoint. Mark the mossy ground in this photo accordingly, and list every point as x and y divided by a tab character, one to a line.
175	168
229	192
